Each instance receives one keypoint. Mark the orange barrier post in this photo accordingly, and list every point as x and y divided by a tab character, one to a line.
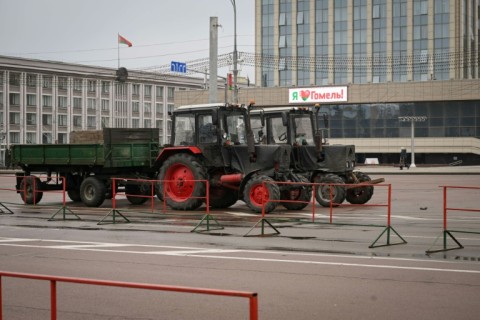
447	232
251	296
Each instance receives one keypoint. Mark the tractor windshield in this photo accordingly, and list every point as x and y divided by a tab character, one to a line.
184	130
303	130
236	129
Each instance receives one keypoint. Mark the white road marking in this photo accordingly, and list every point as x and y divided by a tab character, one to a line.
200	253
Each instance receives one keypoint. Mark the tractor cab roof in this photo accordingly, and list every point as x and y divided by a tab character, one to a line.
203	107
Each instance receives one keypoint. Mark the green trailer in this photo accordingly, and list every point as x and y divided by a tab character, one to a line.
88	168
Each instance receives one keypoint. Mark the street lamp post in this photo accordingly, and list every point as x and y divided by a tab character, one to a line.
235	53
412	120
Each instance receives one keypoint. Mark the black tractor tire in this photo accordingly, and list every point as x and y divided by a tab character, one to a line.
255	194
137	193
303	194
74	195
222	198
182	194
92	192
360	195
28	190
322	192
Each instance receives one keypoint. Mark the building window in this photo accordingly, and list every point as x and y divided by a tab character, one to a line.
105	105
105	87
62	138
31	80
171	93
47	138
147	123
135	123
62	120
31	138
62	83
91	104
46	101
14	99
92	86
31	100
77	103
77	85
47	119
135	89
147	107
14	79
148	90
105	122
47	82
77	121
14	137
91	122
14	118
62	102
135	106
31	119
159	92
159	107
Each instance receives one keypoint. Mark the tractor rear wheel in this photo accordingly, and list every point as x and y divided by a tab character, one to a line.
360	195
301	193
256	194
325	193
180	175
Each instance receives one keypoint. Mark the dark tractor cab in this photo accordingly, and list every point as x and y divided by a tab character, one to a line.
311	155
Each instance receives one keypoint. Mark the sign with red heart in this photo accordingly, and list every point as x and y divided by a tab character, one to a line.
318	95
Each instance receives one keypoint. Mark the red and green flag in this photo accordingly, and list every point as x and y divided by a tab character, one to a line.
122	40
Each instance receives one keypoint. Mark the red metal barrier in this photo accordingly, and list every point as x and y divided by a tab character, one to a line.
446	232
388	227
252	296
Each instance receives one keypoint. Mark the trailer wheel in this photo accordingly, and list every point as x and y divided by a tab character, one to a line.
74	195
178	173
28	190
221	198
322	193
360	195
133	192
256	194
302	193
92	192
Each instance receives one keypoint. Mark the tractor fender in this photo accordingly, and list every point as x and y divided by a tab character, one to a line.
169	151
246	179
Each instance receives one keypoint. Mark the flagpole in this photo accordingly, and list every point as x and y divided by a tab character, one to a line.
118	48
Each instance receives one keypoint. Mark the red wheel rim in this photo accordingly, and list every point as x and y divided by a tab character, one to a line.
179	185
259	195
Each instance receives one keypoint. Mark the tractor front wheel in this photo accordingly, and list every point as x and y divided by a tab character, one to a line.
257	193
301	193
360	195
331	190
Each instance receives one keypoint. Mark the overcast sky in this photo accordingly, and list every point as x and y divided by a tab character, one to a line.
85	31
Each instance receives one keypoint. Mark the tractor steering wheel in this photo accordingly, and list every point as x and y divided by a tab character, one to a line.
283	136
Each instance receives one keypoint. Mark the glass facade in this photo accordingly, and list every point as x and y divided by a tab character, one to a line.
444	119
321	42
368	41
